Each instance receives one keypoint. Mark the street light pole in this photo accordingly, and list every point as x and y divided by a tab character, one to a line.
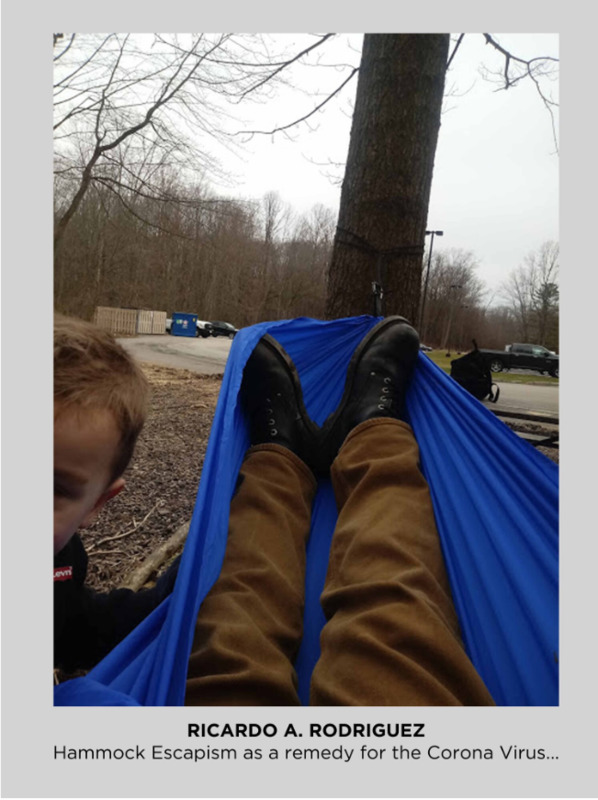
423	305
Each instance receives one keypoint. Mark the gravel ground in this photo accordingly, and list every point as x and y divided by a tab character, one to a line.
163	477
532	427
550	452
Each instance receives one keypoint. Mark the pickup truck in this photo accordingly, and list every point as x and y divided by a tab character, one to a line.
523	356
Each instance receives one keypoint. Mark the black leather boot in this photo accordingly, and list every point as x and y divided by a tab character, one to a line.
272	397
377	380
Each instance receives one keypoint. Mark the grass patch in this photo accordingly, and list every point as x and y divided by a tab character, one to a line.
440	358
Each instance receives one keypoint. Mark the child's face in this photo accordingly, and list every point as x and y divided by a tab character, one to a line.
85	445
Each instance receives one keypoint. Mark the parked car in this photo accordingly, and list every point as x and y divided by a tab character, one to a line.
523	356
223	329
425	348
203	329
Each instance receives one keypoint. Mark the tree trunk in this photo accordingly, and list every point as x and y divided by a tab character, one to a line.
386	188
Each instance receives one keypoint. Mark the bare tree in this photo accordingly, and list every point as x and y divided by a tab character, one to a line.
541	70
532	292
455	296
138	123
517	289
304	260
495	327
386	189
545	300
140	103
204	257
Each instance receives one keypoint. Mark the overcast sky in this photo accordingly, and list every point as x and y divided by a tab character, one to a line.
495	186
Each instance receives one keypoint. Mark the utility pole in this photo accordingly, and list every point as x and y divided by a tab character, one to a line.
423	305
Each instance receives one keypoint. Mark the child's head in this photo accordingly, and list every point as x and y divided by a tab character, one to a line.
100	400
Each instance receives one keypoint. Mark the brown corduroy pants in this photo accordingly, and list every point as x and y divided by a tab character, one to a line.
391	637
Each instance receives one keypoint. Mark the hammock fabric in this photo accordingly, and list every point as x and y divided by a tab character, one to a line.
496	504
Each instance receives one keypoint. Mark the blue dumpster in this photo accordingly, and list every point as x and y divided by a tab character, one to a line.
184	324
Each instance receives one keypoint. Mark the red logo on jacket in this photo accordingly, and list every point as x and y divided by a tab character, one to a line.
63	573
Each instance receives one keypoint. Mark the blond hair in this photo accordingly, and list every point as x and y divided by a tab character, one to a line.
93	372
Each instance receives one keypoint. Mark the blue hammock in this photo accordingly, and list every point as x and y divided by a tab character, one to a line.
496	504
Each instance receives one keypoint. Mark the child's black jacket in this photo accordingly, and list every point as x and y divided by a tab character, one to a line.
89	624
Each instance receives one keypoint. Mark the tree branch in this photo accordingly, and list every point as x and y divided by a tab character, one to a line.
306	116
136	527
453	54
57	38
529	68
286	64
527	64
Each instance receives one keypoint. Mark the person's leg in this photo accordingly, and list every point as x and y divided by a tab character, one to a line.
392	635
250	625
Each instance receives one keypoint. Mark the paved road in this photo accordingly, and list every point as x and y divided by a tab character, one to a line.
208	356
526	397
